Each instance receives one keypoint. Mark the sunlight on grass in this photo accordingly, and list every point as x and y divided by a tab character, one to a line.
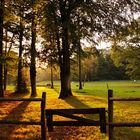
94	94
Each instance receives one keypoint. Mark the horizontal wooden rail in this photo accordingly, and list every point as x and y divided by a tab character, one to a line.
124	99
125	124
68	115
75	123
75	111
20	99
19	122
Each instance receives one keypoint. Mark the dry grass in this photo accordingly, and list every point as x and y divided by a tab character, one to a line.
30	111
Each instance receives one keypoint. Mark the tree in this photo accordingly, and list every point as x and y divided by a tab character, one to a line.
96	17
90	64
15	24
36	7
21	83
33	52
126	49
9	60
79	65
1	46
6	41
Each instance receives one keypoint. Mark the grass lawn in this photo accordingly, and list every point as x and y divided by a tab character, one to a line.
94	94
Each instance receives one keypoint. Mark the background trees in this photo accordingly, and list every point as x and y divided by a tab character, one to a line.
62	26
98	65
126	49
70	21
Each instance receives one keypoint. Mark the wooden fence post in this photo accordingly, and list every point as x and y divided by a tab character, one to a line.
102	121
49	121
110	114
43	122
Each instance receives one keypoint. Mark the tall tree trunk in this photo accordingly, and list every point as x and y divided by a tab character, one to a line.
33	56
80	70
52	85
5	65
5	77
65	67
1	46
20	76
21	82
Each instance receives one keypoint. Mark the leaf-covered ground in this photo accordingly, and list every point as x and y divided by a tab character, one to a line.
30	111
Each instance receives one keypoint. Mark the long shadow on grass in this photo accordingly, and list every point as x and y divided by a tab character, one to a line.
76	103
127	133
60	132
15	115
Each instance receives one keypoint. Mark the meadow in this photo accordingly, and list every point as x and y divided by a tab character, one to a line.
93	94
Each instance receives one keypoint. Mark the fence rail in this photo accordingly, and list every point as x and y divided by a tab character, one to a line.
20	99
42	121
78	121
124	99
110	114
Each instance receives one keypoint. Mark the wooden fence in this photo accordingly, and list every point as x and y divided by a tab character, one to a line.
78	121
110	114
42	121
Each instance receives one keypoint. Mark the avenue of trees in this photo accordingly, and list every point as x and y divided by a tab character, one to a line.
35	33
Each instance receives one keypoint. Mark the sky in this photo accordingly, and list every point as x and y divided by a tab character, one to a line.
101	45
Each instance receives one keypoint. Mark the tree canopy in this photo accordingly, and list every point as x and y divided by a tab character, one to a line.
68	21
126	49
61	26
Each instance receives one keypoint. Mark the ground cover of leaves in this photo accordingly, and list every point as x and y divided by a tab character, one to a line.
30	111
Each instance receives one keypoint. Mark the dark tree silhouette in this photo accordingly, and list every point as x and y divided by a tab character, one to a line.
1	46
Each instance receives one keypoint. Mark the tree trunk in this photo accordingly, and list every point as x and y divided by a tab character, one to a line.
5	77
52	85
20	76
33	56
21	82
1	47
65	67
80	70
5	65
65	82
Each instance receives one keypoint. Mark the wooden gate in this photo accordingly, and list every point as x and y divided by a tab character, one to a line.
77	120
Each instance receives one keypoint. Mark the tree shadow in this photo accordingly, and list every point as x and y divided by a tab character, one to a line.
74	132
16	115
10	94
76	103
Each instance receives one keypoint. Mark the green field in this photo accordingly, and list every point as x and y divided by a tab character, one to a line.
93	94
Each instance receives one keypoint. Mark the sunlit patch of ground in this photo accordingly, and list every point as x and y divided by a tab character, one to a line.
77	133
30	111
